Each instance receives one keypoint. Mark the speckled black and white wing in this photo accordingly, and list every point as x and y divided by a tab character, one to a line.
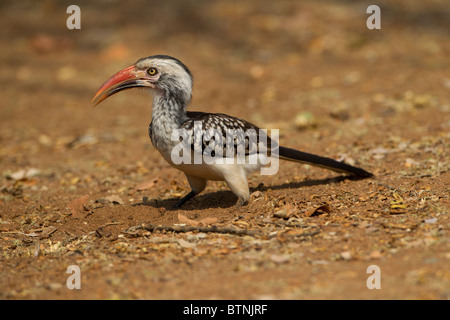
221	135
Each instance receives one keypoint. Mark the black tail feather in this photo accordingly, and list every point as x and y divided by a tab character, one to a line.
318	161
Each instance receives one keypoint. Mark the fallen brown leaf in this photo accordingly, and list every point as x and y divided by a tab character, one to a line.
323	208
204	221
78	206
186	220
114	199
48	231
286	212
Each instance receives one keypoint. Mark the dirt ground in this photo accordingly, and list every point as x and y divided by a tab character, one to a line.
83	186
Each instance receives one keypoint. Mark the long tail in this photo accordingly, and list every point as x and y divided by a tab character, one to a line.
318	161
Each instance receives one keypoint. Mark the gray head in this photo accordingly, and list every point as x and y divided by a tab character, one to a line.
163	75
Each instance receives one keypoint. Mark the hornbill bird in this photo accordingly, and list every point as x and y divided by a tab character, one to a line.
170	83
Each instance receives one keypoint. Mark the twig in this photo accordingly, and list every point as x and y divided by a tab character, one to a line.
215	229
108	224
189	228
289	223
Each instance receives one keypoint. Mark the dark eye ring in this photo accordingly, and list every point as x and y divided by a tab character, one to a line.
152	71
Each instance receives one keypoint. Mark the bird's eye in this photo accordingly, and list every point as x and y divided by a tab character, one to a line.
152	71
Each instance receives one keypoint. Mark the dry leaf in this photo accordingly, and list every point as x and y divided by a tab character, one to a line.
148	184
398	203
431	220
346	255
31	234
186	220
286	212
410	163
186	244
304	120
323	208
280	258
204	221
374	255
256	195
114	199
82	141
78	205
402	226
48	231
23	174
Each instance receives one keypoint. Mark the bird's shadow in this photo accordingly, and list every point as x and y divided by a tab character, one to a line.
226	199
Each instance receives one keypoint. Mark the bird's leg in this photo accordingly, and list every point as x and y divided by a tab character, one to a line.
197	185
237	181
187	197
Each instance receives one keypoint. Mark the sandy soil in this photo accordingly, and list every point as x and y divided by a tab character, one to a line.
83	186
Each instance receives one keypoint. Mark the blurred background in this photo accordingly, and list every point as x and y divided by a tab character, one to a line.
374	98
271	62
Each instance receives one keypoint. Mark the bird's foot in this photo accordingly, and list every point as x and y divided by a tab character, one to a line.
240	203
